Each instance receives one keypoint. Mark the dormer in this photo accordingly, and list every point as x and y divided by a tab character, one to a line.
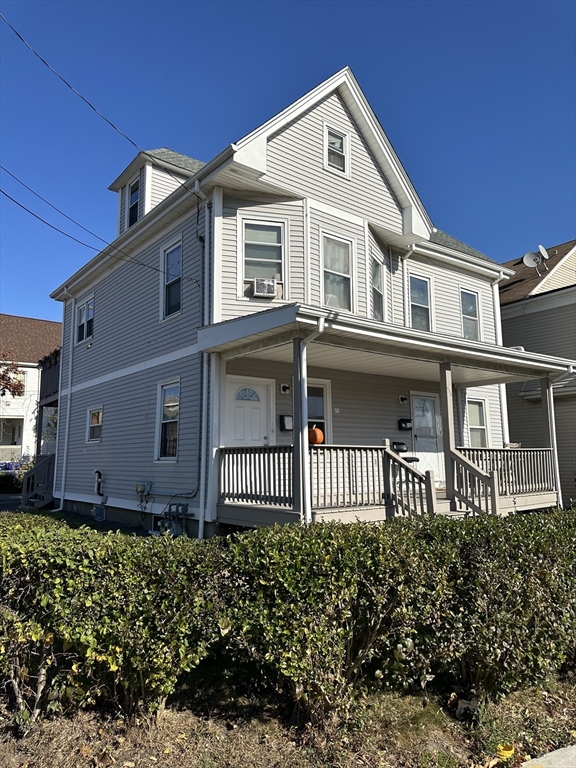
149	178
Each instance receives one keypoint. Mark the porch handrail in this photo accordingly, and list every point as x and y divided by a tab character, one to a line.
474	490
257	475
520	470
39	479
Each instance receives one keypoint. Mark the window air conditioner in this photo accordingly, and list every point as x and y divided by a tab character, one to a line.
264	287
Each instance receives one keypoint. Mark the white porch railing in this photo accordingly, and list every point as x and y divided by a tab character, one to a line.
341	477
474	491
520	470
259	475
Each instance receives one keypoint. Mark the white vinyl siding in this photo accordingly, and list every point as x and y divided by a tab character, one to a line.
296	160
235	212
162	184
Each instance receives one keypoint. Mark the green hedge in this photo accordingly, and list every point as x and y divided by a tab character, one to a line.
86	617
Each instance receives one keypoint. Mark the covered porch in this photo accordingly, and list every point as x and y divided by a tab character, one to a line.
281	478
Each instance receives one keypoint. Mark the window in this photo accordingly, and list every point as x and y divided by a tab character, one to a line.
337	273
336	150
377	291
470	324
247	393
169	413
95	416
85	320
477	424
133	202
172	280
420	303
263	250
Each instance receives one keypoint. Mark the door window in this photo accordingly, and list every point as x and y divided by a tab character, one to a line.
425	417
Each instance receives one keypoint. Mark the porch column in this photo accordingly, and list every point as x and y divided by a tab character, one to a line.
447	408
550	430
300	463
39	424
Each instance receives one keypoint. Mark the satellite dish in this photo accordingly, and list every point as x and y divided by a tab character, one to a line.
532	259
544	252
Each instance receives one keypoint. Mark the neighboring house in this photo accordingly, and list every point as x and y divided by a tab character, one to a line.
294	280
25	340
539	313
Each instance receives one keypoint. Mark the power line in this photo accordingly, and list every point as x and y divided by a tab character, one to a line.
89	104
129	258
53	206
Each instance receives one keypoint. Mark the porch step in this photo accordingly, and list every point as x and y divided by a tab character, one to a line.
443	506
39	500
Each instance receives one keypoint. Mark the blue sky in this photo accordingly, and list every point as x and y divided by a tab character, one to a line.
478	99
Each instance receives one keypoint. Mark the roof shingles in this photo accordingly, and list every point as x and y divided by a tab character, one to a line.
526	278
27	340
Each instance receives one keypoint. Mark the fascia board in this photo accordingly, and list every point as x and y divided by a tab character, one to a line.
133	236
540	302
463	260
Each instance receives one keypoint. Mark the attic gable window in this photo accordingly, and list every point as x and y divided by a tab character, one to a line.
336	150
134	198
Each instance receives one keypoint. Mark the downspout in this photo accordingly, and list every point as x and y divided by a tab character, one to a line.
405	287
68	408
303	437
206	283
499	341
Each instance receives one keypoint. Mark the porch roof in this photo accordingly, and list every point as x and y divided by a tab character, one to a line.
355	343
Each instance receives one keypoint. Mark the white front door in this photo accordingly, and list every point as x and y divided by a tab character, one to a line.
248	412
427	435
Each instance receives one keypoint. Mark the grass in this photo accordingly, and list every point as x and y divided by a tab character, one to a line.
227	725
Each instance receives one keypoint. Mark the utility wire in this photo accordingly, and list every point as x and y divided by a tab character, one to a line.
89	104
53	206
91	247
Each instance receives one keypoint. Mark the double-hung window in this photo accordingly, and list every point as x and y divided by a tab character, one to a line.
94	428
337	273
470	322
336	150
172	280
477	424
420	303
168	420
133	202
263	250
85	320
377	290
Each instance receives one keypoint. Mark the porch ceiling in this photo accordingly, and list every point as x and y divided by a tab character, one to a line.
357	344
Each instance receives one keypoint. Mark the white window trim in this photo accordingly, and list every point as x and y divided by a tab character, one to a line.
89	413
353	287
465	288
484	402
326	385
140	192
79	305
327	126
241	220
163	251
159	406
379	257
431	302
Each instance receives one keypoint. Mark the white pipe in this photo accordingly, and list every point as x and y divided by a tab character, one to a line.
562	376
499	341
68	406
405	287
205	321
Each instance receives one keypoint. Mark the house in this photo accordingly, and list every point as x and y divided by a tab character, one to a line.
539	313
294	281
25	340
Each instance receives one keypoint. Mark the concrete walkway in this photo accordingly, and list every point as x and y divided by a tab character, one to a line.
560	758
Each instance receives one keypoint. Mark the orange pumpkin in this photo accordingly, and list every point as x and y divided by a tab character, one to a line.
315	436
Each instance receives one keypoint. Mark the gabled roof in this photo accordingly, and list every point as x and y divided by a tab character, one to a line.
526	280
26	339
165	158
